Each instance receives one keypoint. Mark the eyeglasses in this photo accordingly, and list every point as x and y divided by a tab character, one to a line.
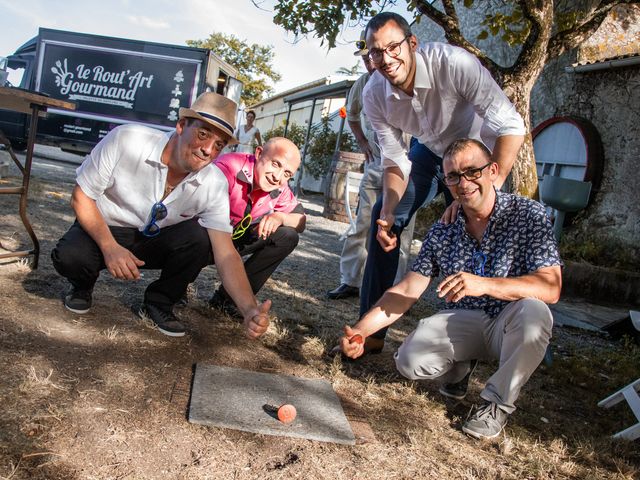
472	174
241	227
393	50
158	212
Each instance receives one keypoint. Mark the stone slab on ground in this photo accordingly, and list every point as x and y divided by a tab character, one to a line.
579	313
234	398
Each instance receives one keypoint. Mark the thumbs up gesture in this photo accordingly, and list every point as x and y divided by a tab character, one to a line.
256	322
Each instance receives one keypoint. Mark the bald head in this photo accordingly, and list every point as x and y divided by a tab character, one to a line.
276	163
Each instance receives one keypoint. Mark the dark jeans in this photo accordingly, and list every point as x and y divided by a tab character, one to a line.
380	268
180	251
265	255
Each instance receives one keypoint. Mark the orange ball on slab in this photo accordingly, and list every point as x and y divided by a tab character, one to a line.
287	413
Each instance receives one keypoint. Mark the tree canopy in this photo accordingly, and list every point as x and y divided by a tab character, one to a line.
544	28
254	63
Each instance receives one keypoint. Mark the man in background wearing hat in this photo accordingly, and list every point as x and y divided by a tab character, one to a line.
141	199
354	251
265	215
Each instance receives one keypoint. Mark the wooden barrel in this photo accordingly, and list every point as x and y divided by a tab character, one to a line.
569	147
334	206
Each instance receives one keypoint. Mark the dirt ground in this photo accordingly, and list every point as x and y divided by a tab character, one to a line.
104	396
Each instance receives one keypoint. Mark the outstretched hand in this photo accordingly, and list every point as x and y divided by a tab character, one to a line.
256	322
352	343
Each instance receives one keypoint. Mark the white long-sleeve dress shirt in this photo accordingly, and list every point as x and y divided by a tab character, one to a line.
454	97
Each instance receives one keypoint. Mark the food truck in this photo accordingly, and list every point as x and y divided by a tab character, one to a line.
112	81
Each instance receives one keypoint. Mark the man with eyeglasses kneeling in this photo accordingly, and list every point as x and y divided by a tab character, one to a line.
436	93
142	198
266	217
501	266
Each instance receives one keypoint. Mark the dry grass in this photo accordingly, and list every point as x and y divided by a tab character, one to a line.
104	396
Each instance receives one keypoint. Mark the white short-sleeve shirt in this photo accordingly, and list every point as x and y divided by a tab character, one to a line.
125	176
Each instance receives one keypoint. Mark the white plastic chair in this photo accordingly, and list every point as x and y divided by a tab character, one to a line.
630	394
351	185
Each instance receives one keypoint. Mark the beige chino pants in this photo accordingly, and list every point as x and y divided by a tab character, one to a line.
355	248
443	344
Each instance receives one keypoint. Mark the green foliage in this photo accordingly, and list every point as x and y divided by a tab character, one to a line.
601	251
254	63
295	133
355	70
322	145
514	27
324	17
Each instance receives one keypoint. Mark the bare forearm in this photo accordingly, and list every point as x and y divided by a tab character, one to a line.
505	153
394	186
393	303
91	220
295	220
234	278
358	133
545	285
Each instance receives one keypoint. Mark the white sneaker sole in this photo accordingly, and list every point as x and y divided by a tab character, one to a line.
146	318
480	436
75	310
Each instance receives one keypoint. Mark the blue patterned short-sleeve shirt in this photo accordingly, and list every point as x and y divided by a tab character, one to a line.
518	240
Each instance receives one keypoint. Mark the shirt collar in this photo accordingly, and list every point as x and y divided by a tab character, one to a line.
245	175
421	81
155	157
422	74
499	208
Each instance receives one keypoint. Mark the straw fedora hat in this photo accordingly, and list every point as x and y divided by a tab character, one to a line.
215	110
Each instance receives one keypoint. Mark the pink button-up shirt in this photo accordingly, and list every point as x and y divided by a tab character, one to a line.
238	168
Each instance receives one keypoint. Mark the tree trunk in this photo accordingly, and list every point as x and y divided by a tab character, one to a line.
524	178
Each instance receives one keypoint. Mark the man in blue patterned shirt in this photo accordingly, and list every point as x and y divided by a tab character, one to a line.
500	264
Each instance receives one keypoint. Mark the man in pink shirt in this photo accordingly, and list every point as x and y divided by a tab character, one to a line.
266	217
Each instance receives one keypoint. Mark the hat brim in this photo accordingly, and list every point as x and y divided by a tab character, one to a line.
217	122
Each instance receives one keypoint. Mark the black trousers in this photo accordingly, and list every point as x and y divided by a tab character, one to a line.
265	254
179	251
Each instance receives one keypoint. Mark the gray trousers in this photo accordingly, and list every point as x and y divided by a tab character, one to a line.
355	248
443	344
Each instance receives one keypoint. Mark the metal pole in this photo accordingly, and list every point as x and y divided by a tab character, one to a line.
339	136
304	150
286	123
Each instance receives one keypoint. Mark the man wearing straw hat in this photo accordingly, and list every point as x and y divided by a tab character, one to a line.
142	198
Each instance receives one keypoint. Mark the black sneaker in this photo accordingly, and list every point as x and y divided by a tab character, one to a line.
459	389
221	302
78	301
164	320
486	422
